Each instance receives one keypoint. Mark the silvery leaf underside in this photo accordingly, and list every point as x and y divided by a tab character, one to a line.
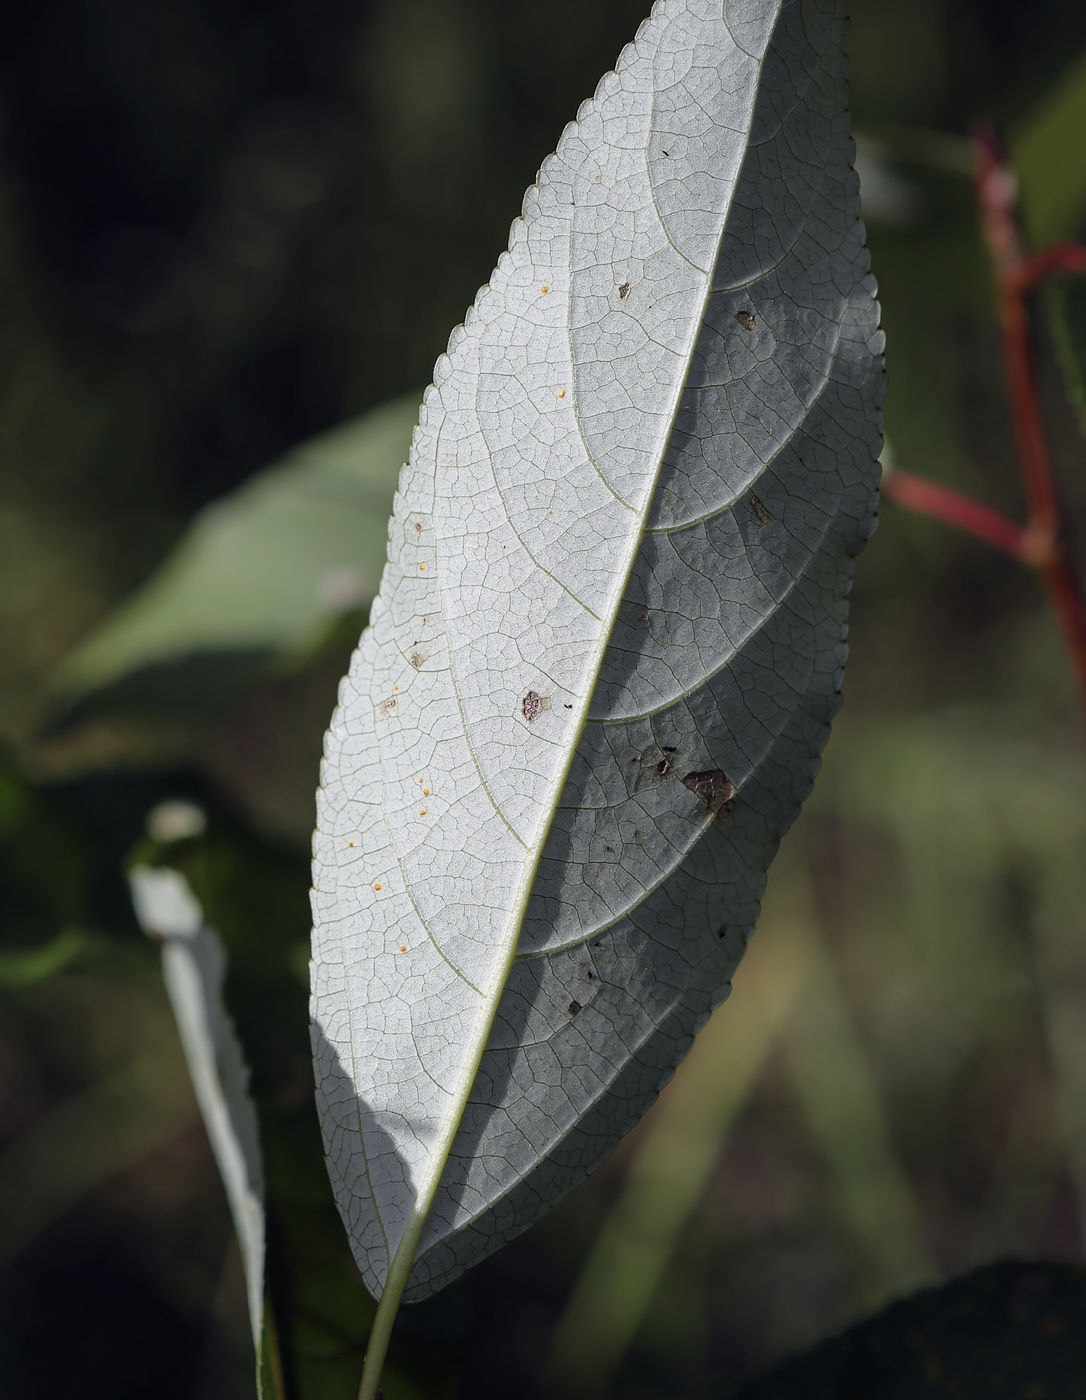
609	639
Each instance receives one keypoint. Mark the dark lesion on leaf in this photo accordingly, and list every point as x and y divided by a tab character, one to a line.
758	510
624	291
533	705
747	320
574	1007
651	767
715	788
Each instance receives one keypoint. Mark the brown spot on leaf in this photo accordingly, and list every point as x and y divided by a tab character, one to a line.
533	705
544	290
747	320
624	291
574	1007
715	788
759	511
386	707
663	767
415	658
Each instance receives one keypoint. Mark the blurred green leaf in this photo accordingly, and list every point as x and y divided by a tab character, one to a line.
90	1137
260	576
1067	319
45	882
13	804
1047	154
22	968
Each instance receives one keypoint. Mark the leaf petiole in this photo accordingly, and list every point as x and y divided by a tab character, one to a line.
389	1305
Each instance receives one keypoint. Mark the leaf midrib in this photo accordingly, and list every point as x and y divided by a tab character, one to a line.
404	1258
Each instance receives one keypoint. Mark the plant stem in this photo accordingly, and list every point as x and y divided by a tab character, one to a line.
941	503
1040	542
377	1345
1015	275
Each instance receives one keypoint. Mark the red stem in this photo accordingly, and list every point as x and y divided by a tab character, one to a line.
1061	257
941	503
1040	543
1015	275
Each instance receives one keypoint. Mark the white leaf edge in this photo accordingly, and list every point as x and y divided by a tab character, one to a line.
193	969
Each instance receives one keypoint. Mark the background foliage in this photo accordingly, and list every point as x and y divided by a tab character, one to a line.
226	228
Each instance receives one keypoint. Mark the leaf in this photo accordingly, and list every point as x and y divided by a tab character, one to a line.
317	1312
258	574
193	968
24	967
1009	1328
1046	152
619	560
1066	306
